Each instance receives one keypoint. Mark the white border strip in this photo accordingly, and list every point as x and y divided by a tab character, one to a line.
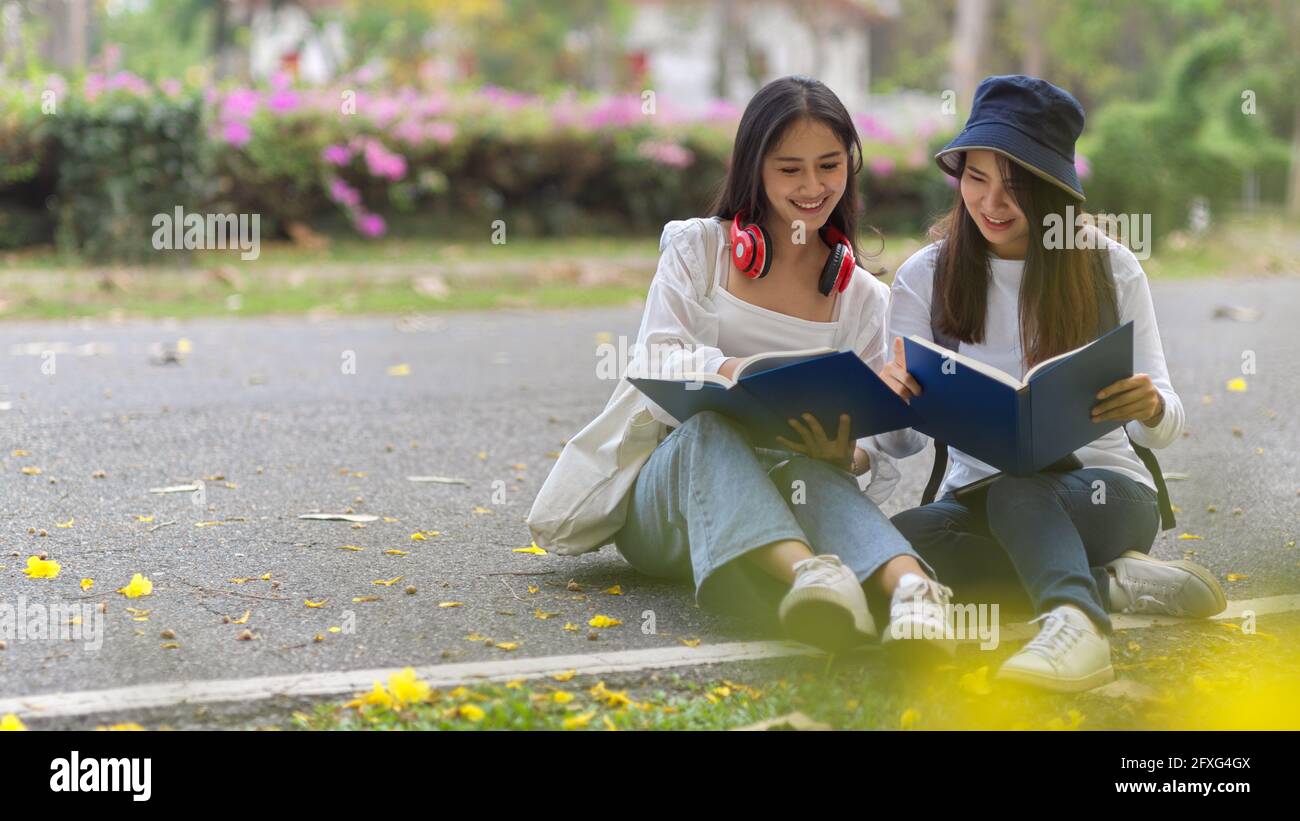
147	696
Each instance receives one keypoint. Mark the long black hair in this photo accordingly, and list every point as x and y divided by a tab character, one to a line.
776	107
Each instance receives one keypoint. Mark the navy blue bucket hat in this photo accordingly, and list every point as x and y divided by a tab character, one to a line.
1024	119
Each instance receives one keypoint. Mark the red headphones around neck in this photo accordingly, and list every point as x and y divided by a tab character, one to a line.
751	253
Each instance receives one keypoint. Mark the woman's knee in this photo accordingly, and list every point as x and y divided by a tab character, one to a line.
1010	493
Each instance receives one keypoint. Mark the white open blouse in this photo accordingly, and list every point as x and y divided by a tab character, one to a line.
706	328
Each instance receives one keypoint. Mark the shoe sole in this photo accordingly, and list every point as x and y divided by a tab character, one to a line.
1056	684
1220	600
918	654
817	617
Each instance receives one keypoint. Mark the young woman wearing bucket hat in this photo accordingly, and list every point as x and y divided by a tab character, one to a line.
997	287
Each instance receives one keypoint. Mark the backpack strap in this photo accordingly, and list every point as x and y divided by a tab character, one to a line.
940	467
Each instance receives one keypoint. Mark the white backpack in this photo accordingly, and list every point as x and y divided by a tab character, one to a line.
583	502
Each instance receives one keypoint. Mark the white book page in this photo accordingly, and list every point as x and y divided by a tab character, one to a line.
974	364
760	362
1030	373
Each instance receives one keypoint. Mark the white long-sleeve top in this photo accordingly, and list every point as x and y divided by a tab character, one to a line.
909	313
683	319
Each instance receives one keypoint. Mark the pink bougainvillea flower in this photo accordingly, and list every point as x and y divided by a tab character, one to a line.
283	101
337	154
344	194
666	153
881	166
382	162
237	134
371	225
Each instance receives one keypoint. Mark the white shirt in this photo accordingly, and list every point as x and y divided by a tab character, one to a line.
909	313
688	323
745	329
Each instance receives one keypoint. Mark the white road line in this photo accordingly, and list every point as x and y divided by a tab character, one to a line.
344	682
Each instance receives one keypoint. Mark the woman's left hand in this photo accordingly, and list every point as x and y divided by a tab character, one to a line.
1133	398
839	451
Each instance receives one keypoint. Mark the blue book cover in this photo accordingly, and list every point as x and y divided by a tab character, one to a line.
1017	426
771	388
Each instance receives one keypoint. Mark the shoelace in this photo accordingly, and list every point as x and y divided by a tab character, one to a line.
817	569
1056	637
933	595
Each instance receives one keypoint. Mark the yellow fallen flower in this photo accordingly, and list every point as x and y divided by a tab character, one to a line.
138	586
11	722
38	568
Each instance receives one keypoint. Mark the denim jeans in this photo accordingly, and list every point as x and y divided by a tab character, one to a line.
1045	530
707	496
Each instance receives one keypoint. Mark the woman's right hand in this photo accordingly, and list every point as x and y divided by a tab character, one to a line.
895	373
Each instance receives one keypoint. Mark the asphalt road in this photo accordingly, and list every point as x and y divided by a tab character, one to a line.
267	405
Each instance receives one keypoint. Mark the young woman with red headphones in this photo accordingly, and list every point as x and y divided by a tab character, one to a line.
783	536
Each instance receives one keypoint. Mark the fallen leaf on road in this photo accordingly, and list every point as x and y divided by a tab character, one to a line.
691	642
174	489
1237	385
532	548
1183	537
65	525
451	604
399	370
242	619
32	471
352	547
396	552
506	645
86	584
565	676
360	599
479	510
145	519
1236	577
570	626
311	603
339	517
616	590
603	621
543	615
387	582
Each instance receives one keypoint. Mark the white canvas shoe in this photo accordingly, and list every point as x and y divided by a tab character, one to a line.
1141	584
1068	655
920	620
826	607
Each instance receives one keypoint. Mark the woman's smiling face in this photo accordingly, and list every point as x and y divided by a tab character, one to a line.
993	206
804	176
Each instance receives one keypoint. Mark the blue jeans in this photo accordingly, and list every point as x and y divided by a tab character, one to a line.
707	496
1045	530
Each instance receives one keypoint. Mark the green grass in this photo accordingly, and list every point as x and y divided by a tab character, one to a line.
345	275
1200	675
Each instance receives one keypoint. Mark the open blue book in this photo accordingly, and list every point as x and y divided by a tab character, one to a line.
770	388
1018	426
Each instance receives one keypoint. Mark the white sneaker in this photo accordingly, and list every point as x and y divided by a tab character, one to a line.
1142	584
920	619
1069	654
826	607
